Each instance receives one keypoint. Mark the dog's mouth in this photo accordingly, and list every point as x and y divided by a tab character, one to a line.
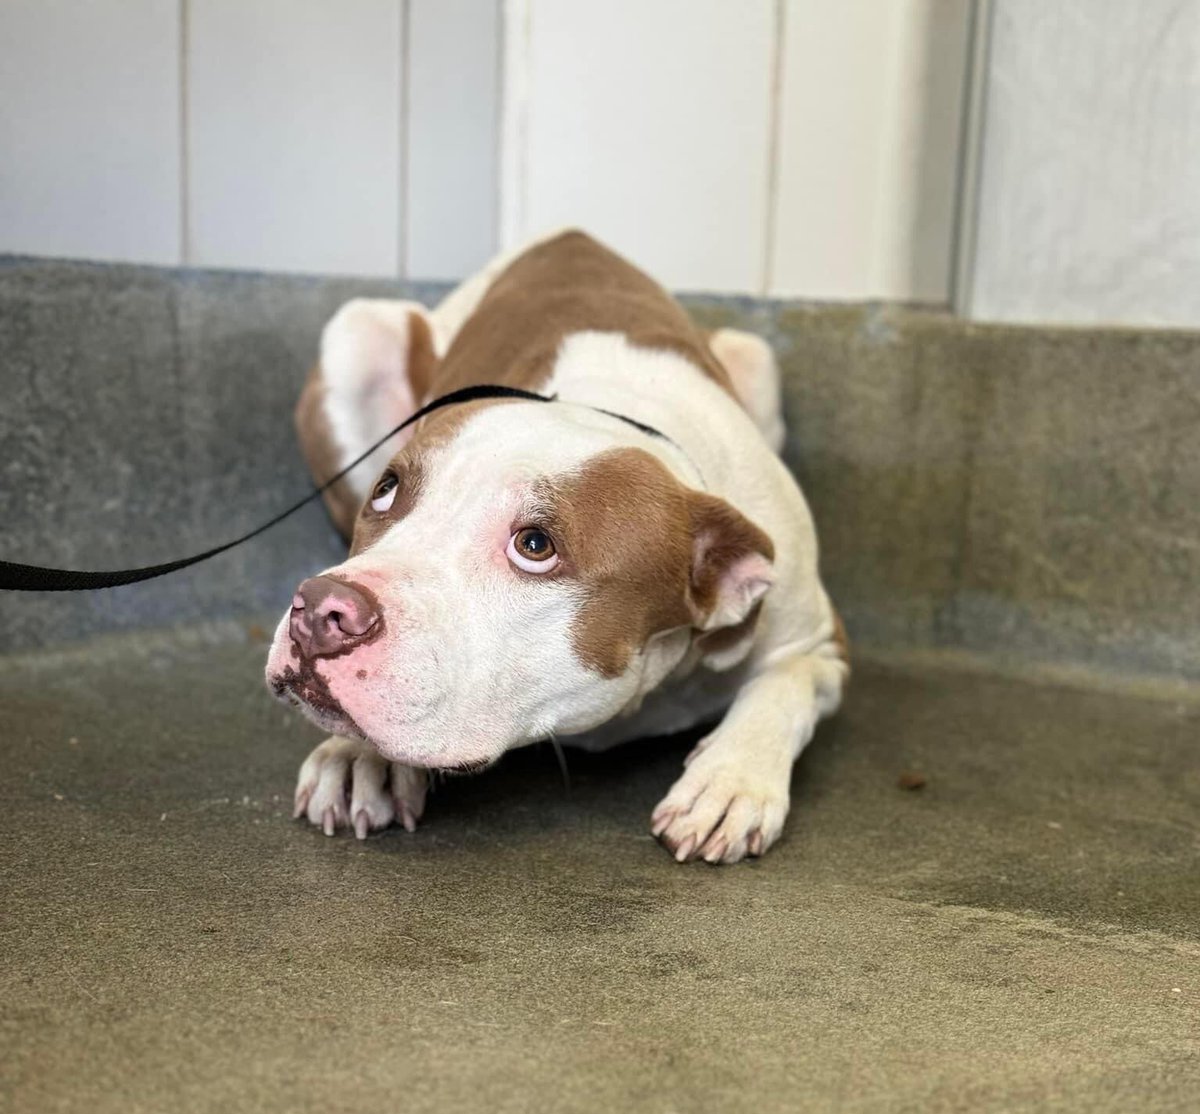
306	689
300	686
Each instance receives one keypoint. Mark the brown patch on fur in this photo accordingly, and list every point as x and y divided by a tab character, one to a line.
629	532
371	525
566	285
422	359
624	525
322	454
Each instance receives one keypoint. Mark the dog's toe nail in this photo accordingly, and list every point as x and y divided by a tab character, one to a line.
715	852
407	818
754	847
301	804
328	822
684	850
362	823
659	825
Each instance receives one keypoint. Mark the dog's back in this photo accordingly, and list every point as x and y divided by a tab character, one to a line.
565	285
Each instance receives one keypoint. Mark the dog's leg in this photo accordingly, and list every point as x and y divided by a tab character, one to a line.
376	367
733	797
751	365
345	783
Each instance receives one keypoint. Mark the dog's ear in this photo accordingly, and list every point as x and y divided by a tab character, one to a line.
731	564
752	369
376	368
383	351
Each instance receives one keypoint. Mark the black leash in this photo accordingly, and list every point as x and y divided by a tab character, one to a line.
35	578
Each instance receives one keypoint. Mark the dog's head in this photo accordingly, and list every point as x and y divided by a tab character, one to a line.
519	570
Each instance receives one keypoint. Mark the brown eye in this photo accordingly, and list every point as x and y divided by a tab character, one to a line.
384	494
532	550
534	544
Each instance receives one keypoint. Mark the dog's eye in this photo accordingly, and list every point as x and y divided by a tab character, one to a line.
533	550
384	494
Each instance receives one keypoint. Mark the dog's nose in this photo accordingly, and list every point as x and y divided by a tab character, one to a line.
330	616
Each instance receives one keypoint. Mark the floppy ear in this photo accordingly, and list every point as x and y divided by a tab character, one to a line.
377	365
731	564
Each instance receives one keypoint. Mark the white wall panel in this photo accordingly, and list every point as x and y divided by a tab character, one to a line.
89	129
453	122
870	117
646	122
1089	177
294	134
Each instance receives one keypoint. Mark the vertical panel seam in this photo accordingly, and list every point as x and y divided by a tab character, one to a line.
514	128
526	109
970	158
498	124
774	142
185	170
403	46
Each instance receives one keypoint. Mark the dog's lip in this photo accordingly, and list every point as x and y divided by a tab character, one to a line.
296	690
475	766
299	694
320	707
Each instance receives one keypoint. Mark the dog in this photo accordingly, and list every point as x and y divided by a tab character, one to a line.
628	560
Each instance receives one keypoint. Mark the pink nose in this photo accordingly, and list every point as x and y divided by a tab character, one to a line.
331	616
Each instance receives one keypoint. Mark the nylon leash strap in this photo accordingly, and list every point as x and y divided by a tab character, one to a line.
16	577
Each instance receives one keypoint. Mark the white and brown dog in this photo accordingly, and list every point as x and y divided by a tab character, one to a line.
629	560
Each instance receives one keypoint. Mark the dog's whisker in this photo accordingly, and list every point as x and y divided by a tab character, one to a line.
562	762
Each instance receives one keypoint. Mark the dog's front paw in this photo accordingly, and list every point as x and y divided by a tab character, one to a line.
345	783
721	810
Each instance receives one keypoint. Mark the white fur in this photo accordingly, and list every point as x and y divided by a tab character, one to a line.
478	656
380	791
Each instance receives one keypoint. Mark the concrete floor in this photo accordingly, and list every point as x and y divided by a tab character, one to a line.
1021	934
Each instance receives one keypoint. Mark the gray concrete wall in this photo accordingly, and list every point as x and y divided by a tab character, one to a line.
1025	492
147	415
